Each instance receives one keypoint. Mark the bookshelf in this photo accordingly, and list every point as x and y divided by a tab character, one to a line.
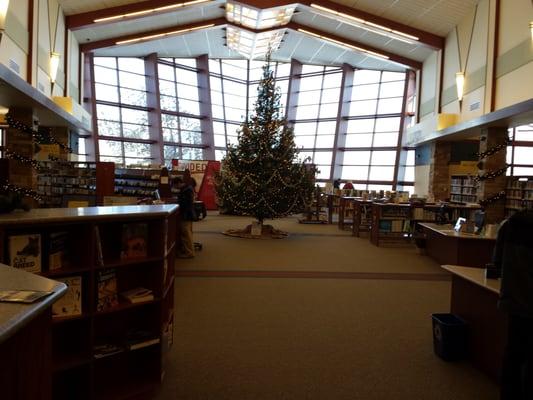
463	189
94	245
390	223
362	216
519	194
137	182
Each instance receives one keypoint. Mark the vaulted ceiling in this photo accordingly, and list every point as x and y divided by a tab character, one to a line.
363	33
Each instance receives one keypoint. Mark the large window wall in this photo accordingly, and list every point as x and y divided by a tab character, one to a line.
155	113
520	151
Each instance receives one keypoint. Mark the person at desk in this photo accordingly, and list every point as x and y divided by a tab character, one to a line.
348	185
513	257
187	216
337	183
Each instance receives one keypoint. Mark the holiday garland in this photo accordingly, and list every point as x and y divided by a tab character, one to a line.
493	150
491	174
492	199
40	137
19	157
8	187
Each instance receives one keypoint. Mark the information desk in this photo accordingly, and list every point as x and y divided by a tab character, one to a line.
446	246
25	337
474	298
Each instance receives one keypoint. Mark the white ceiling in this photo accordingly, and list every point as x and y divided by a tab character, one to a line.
434	16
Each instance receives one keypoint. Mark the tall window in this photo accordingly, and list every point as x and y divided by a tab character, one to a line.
180	109
373	128
520	152
122	112
316	115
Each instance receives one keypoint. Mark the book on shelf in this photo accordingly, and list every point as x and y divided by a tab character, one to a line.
138	339
134	241
138	295
25	252
106	349
99	251
107	296
58	250
22	296
70	304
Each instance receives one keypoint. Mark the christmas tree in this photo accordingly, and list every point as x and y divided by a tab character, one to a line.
261	176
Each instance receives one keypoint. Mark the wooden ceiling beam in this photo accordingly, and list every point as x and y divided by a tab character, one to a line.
408	62
172	30
87	19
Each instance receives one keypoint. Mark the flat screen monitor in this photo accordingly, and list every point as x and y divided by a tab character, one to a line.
479	219
459	224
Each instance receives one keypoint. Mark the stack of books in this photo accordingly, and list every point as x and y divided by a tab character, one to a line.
138	295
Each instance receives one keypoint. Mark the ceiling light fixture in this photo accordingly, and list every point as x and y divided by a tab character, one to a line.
4	4
163	34
531	29
343	44
54	65
149	10
367	25
253	45
460	84
257	18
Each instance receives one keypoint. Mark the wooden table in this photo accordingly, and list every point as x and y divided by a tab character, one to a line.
25	337
474	298
446	246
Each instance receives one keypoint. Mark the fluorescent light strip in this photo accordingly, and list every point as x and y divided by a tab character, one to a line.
150	10
343	44
363	22
158	35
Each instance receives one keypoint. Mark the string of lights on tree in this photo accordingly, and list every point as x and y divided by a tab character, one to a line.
39	136
491	174
20	158
21	191
493	150
492	199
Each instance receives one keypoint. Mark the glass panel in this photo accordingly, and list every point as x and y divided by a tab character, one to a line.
390	106
388	139
330	96
355	173
235	114
232	87
132	81
329	110
509	155
360	125
134	97
524	133
307	98
191	137
105	75
359	140
309	69
356	158
214	66
136	149
167	88
171	135
189	107
189	62
106	92
216	98
171	152
381	173
108	128
168	103
220	140
392	89
305	128
325	141
523	155
135	65
218	111
323	172
215	84
135	131
135	116
187	77
332	80
392	76
307	112
365	92
191	153
365	76
410	157
365	107
110	148
383	157
311	83
307	142
107	112
169	121
165	72
110	62
388	124
284	69
327	128
409	175
220	154
523	171
188	92
323	157
190	124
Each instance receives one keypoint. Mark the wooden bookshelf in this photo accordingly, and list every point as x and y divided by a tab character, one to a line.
362	216
390	223
79	369
463	189
519	194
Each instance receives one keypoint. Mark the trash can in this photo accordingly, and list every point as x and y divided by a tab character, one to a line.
450	337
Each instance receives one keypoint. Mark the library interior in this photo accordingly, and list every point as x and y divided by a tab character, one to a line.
178	220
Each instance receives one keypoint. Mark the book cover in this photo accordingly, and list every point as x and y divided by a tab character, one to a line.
138	339
99	252
107	296
134	241
70	303
25	252
106	350
22	296
57	250
385	225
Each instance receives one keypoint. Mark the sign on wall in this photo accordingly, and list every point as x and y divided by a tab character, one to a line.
203	173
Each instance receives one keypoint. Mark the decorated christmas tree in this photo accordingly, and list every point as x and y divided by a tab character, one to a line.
261	176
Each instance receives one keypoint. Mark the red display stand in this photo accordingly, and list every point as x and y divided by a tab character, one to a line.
203	173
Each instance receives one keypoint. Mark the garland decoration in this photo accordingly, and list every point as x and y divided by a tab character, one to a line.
8	187
491	174
20	158
40	137
494	150
492	199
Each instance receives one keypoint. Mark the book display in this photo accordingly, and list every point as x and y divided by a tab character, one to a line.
463	189
25	252
112	329
137	182
391	223
519	194
362	216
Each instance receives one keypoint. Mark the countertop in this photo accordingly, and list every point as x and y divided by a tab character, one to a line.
51	215
14	316
447	230
474	275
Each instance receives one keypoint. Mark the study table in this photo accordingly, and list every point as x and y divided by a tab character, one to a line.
474	298
447	246
25	337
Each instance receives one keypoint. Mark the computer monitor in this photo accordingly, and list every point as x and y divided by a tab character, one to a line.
479	220
459	224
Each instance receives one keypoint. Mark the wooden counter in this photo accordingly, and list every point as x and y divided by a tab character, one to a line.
25	337
474	298
446	246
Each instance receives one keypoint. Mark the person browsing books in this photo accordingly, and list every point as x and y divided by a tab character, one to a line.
187	215
513	257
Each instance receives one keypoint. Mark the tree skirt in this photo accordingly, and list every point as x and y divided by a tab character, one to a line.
268	232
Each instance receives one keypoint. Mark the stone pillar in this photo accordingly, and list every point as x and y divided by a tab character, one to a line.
17	141
439	172
490	138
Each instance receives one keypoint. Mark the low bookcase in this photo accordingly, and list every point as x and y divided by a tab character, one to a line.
104	346
390	223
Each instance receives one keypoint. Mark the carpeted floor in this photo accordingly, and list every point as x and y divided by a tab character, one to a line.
320	315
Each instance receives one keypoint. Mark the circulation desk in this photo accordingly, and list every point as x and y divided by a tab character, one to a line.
474	298
447	246
25	337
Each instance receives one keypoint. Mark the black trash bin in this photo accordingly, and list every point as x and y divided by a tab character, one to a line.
450	337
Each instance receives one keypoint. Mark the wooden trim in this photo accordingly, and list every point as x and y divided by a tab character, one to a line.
111	42
89	100
29	57
495	56
402	130
154	106
441	82
66	68
206	123
416	65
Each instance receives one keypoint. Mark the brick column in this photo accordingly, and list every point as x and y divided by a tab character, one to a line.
491	137
20	174
439	172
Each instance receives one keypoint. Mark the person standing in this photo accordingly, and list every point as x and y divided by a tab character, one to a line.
187	216
513	257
